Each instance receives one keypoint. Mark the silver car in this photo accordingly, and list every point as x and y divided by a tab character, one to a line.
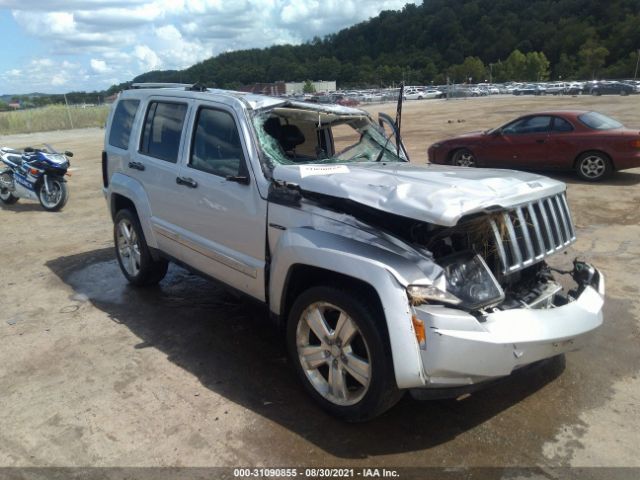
386	276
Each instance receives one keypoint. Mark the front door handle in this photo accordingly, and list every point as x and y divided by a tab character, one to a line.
540	140
136	166
187	182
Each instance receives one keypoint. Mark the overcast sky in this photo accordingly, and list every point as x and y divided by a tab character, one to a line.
56	46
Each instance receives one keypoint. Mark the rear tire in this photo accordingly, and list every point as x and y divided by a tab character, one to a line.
593	166
336	344
6	196
132	251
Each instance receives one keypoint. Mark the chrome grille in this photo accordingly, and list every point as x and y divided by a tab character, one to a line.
527	234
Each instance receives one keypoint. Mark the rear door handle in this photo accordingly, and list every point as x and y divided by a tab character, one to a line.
136	166
187	182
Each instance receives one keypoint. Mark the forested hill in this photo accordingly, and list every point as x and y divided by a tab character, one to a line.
440	38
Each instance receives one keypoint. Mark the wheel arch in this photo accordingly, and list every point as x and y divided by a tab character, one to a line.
306	257
301	277
126	192
593	150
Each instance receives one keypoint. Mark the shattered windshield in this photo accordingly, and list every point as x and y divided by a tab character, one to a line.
296	136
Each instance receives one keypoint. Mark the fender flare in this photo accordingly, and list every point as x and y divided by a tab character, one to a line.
132	190
387	273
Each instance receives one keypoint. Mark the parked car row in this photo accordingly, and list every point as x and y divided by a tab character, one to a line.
578	88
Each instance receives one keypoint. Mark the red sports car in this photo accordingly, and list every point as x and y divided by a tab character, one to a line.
590	143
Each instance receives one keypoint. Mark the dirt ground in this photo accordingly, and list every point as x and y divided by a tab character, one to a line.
94	372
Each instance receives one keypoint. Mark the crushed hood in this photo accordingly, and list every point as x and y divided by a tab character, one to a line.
430	193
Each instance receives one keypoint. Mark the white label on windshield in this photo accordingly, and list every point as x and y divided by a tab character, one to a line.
311	170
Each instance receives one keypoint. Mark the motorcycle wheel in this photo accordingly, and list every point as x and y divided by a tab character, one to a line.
6	196
57	196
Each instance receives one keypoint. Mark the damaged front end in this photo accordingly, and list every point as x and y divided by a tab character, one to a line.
503	307
467	248
488	303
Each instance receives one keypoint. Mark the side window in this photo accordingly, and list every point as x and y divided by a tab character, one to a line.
561	125
538	124
216	146
122	123
162	130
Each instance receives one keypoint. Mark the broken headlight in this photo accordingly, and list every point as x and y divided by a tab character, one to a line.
419	294
470	280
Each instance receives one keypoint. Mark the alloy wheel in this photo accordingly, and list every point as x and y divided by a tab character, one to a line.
53	198
464	158
128	247
333	353
593	166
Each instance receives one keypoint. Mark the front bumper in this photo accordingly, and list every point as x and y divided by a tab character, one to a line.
460	350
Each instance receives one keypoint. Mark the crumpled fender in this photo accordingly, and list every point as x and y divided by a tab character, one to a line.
387	272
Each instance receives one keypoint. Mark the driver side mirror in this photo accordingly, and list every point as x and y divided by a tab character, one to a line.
69	154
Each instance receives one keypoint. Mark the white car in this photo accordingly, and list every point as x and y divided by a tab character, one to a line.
418	94
413	94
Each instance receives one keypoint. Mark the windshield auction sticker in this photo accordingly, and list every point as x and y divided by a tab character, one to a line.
311	170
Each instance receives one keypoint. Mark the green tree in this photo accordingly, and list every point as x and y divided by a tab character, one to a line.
593	56
566	67
308	87
515	66
471	68
537	66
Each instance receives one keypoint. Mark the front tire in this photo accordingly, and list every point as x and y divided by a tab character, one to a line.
463	157
335	342
132	252
593	166
57	196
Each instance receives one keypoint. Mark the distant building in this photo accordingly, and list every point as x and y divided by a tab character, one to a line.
15	105
295	88
273	89
287	88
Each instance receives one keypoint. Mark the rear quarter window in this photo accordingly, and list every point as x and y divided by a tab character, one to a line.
122	123
163	130
598	121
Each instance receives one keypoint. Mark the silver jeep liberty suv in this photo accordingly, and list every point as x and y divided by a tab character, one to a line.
387	276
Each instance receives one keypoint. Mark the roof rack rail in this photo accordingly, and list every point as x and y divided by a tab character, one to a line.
197	87
160	85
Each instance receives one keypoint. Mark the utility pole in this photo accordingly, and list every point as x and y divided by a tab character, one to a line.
68	111
635	75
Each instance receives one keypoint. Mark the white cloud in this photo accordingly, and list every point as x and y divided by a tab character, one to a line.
119	39
40	74
99	66
147	58
59	79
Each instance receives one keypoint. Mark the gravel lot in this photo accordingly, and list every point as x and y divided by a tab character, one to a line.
93	372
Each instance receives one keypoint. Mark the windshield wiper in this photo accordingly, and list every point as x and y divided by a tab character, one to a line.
379	157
